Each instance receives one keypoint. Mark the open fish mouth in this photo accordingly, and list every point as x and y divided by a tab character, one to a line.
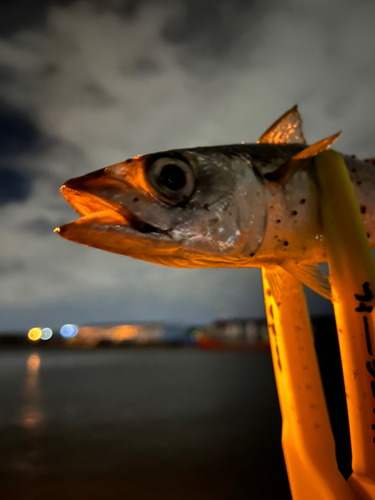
92	207
107	224
92	196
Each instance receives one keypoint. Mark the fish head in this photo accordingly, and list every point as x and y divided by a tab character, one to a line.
180	208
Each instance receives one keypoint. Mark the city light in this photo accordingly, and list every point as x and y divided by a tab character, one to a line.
34	334
46	333
68	331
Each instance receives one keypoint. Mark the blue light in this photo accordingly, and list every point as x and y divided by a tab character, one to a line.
68	331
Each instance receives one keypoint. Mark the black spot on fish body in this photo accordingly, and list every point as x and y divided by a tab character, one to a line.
294	212
359	183
135	200
278	221
363	209
286	243
302	201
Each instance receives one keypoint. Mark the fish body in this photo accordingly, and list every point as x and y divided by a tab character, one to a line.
245	205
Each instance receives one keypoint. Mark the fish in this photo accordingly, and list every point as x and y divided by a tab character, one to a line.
241	205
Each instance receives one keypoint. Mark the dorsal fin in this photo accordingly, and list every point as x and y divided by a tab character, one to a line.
369	160
286	130
283	173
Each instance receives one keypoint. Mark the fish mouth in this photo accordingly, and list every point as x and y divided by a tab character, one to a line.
88	205
107	224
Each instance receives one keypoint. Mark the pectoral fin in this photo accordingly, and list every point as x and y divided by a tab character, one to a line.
311	276
286	130
283	173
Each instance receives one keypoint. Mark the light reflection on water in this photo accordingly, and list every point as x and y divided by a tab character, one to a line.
31	414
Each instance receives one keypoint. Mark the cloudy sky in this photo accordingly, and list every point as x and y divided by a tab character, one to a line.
85	84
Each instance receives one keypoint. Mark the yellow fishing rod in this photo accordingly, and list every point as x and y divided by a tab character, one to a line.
352	277
307	439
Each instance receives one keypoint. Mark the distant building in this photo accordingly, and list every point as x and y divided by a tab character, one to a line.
238	330
141	333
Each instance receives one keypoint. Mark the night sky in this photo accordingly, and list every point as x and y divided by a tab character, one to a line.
85	84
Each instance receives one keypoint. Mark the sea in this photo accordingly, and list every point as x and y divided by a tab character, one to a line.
148	424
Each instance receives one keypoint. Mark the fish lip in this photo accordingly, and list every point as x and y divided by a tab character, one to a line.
87	203
84	202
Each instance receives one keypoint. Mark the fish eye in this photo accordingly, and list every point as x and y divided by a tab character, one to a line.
171	180
172	177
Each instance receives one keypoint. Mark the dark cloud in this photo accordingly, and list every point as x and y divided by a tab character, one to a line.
17	131
25	14
211	28
208	29
18	135
20	14
14	185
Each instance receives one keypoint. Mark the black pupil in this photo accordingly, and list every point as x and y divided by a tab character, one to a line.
173	177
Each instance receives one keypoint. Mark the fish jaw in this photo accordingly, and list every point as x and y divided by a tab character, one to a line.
108	225
110	231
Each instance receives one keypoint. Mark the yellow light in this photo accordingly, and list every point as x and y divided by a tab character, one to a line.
34	334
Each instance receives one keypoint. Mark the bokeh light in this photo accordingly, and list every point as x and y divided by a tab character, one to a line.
34	334
46	333
68	331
